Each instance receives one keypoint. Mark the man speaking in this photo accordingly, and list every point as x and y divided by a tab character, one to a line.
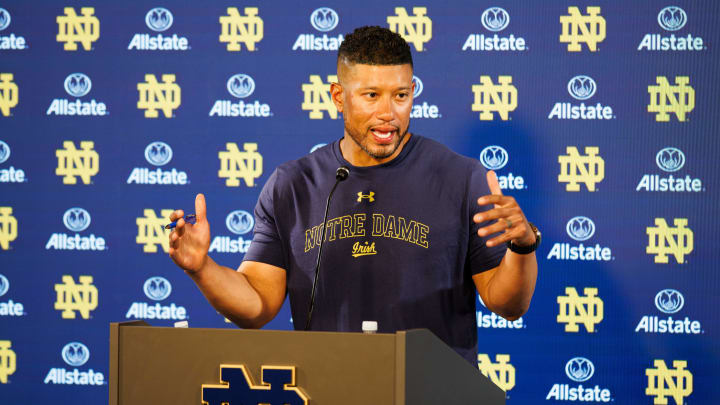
411	235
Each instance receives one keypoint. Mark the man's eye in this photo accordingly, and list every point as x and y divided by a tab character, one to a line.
372	95
403	95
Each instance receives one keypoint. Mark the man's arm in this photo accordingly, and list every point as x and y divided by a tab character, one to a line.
508	288
249	297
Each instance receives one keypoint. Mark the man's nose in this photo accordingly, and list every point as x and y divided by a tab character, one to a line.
385	111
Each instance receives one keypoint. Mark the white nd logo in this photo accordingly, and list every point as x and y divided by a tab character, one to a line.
489	98
72	297
8	93
577	28
317	97
664	98
8	227
7	361
152	232
416	29
574	309
84	163
664	240
575	169
73	29
676	382
234	164
154	95
502	373
236	28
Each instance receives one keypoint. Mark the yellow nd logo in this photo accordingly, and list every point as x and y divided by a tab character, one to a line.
317	97
574	309
489	98
72	163
577	28
72	297
73	29
152	232
8	93
676	382
502	373
154	95
575	169
664	240
8	227
236	28
415	29
7	361
664	98
235	165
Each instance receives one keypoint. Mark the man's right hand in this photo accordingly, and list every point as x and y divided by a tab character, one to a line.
189	243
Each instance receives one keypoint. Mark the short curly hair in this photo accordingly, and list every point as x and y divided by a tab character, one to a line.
373	45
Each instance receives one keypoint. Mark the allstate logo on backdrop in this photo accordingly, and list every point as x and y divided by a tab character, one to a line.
76	220
240	86
581	87
494	19
670	159
239	222
158	19
423	110
323	19
10	307
74	354
579	370
77	85
10	174
9	42
580	229
672	18
495	157
158	154
157	289
669	301
493	321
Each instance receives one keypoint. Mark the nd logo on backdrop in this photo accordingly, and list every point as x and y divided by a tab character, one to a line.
664	240
415	29
664	98
236	165
490	97
156	96
317	97
8	93
72	297
237	28
575	168
152	232
577	28
8	361
576	309
8	227
74	163
73	28
501	372
663	382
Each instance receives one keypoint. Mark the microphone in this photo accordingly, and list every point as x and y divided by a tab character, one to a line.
341	174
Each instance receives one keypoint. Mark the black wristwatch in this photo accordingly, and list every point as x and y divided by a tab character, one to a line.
523	250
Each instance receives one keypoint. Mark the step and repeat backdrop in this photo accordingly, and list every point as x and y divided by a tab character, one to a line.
601	119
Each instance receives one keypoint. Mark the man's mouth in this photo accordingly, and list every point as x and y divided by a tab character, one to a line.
383	135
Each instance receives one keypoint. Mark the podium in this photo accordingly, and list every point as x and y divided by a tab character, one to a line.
181	366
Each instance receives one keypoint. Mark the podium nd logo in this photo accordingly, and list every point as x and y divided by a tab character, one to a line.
73	28
8	93
7	361
277	387
151	230
578	28
490	97
663	382
665	98
153	95
8	227
664	240
501	372
74	163
236	165
415	29
72	297
317	97
575	168
237	28
576	309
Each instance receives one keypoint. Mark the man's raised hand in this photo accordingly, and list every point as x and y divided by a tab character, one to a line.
189	243
510	218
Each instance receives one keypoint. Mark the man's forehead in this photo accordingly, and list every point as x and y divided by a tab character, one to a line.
366	72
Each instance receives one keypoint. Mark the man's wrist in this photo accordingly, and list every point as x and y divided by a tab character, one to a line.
524	249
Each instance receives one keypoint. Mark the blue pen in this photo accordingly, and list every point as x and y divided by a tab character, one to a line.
190	219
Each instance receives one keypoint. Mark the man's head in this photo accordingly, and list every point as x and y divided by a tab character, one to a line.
375	90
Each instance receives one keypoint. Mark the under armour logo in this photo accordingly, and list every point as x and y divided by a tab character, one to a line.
370	196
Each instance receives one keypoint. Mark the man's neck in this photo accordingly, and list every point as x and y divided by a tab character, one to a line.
356	156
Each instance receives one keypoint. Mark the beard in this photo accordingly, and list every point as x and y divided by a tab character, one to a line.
382	152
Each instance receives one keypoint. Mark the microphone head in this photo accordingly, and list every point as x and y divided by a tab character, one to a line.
342	173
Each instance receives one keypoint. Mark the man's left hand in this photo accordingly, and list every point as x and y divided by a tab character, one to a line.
510	218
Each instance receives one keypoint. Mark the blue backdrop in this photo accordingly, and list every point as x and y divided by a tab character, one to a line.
601	119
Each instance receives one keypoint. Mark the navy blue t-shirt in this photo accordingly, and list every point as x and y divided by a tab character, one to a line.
400	246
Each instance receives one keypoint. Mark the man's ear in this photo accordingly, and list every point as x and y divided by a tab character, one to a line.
338	94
